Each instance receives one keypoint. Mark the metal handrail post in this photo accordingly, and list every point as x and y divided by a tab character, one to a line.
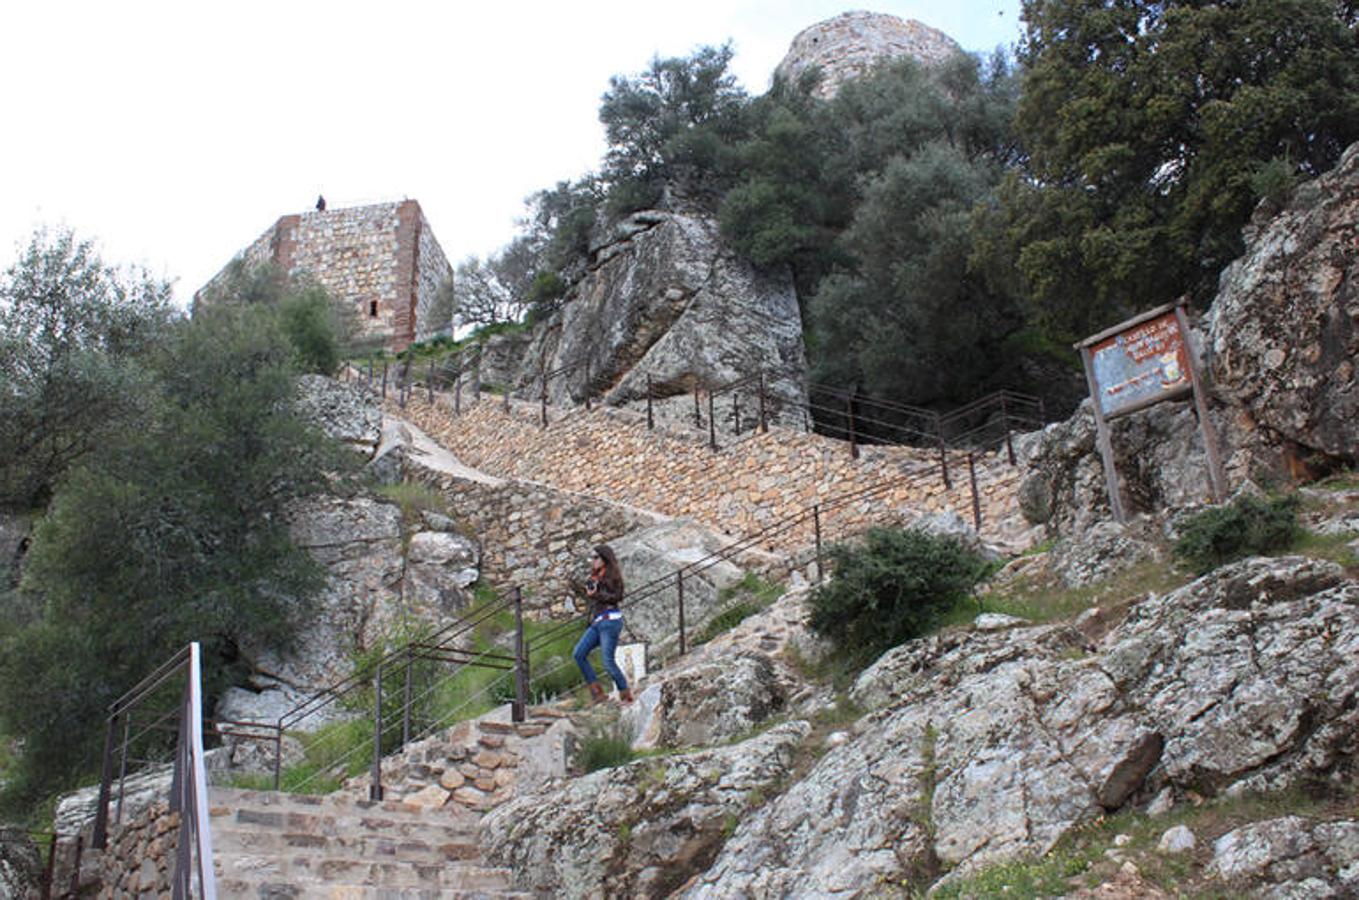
588	384
542	395
1005	419
197	777
75	865
736	411
101	812
679	587
650	418
976	499
519	711
457	394
816	523
698	410
278	755
849	412
406	697
375	785
122	767
712	423
764	416
49	871
384	379
431	381
943	451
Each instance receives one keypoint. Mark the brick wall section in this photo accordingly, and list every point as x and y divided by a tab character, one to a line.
739	489
533	534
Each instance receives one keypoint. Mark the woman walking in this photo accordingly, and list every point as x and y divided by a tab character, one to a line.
604	590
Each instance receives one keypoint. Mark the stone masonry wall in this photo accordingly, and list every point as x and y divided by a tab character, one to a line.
533	534
140	859
431	271
383	259
739	489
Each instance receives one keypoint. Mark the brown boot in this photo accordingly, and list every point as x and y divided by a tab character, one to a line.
625	695
597	694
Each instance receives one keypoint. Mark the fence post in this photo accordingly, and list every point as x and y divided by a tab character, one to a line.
764	416
736	411
278	754
375	786
650	417
698	412
816	523
370	373
49	871
943	450
457	394
588	385
849	411
384	379
406	697
542	394
712	423
518	712
431	382
75	866
976	500
1005	418
679	587
101	813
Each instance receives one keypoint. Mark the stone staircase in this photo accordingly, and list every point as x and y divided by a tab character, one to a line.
275	845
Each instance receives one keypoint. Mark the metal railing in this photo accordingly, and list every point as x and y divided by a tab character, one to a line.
188	794
54	844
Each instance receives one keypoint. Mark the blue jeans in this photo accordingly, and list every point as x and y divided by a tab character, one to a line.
602	634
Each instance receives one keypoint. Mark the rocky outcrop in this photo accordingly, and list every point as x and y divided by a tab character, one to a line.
1159	456
709	702
1290	857
850	44
345	412
1284	328
20	865
642	829
991	745
665	300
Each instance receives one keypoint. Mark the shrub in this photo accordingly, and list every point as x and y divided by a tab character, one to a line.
890	588
1246	526
603	747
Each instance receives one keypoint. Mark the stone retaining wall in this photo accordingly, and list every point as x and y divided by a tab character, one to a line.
139	861
533	534
743	487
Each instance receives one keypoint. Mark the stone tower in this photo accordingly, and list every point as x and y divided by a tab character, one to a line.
382	259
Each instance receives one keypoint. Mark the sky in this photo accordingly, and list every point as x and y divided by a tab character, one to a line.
174	133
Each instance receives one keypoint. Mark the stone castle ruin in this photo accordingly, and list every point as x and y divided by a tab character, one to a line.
383	259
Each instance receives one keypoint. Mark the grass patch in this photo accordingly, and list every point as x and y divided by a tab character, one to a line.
604	746
738	602
1040	599
414	498
1334	547
1079	859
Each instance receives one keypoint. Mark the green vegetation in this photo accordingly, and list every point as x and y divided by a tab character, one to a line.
737	603
1246	526
890	588
166	521
603	746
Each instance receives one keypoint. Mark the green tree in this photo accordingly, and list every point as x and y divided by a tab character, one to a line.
1147	124
173	529
672	123
72	333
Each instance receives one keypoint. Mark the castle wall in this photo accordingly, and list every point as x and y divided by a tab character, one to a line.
383	259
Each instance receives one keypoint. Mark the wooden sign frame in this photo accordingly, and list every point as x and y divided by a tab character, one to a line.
1152	355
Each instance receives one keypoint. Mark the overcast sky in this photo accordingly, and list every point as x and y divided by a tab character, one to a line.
174	133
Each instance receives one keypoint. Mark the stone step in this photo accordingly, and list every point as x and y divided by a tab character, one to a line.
331	871
239	889
432	829
360	845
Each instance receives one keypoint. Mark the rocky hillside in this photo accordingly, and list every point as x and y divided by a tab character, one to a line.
850	44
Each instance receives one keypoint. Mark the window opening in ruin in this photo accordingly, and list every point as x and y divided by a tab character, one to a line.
372	309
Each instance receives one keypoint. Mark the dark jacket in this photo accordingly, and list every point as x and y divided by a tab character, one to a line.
605	598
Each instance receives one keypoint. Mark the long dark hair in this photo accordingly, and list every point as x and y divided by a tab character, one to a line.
613	575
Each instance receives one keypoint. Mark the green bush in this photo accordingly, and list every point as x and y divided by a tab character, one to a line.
603	747
1246	526
890	588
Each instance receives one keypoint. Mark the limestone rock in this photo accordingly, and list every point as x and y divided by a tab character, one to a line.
1103	550
638	830
20	867
1177	840
346	412
1246	679
850	44
1284	327
440	567
949	524
710	703
1290	857
669	302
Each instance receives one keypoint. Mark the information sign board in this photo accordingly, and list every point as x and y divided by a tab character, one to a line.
1141	365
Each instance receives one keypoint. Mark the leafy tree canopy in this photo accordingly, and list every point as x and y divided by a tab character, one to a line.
1147	125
